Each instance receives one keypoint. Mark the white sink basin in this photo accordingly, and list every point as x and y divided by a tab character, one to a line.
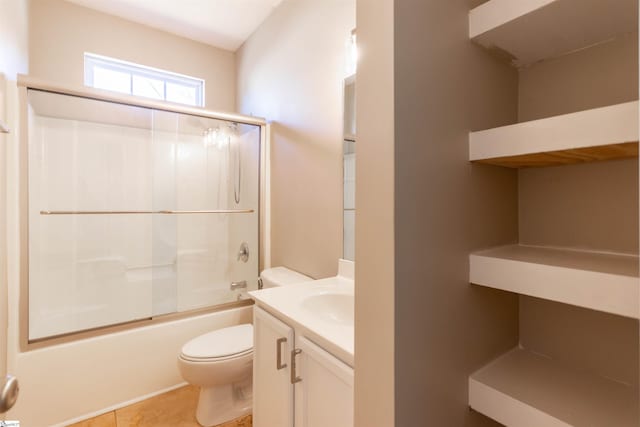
334	307
323	309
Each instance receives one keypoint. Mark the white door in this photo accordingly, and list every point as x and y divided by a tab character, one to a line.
324	394
272	389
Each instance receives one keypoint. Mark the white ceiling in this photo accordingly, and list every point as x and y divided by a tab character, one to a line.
222	23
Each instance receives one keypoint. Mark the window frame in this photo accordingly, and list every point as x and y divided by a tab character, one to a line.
92	60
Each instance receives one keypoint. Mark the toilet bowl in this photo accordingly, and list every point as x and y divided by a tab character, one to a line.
221	362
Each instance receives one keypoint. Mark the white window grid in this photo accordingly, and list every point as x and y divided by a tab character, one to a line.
91	61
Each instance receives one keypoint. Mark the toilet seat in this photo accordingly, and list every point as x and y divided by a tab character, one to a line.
216	359
223	344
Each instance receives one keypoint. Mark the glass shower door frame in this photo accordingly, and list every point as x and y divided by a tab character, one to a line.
25	84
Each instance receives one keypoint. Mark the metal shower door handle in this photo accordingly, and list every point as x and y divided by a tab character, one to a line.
8	393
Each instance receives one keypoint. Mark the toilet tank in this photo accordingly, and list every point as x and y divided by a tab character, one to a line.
281	276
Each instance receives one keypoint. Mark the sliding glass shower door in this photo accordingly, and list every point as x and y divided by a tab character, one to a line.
135	212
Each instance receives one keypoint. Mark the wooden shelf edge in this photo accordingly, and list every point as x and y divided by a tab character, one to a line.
625	150
518	269
599	134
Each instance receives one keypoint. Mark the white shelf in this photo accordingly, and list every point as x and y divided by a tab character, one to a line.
603	282
527	390
528	31
598	134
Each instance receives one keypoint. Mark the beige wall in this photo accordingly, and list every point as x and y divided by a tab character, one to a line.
13	37
60	33
445	208
13	60
588	340
602	75
291	71
591	206
375	240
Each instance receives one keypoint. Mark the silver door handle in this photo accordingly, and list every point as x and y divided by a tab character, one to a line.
294	378
279	364
8	393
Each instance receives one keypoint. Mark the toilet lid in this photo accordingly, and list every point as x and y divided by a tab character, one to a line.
221	343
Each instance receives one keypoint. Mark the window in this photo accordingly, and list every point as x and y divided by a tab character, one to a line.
111	74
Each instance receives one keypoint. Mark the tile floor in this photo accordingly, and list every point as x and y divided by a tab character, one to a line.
176	408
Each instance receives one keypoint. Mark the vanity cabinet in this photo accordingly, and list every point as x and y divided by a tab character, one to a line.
273	393
324	396
296	382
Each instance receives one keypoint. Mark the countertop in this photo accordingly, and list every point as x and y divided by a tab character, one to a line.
331	329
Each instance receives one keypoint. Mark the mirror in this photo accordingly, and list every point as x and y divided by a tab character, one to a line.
349	169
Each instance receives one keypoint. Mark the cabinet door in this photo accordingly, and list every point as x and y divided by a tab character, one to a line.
272	389
324	394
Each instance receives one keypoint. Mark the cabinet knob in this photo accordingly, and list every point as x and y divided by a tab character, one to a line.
294	378
279	364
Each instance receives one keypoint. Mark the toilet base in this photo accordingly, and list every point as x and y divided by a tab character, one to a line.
220	404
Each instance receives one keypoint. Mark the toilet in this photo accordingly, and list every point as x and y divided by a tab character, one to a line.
221	362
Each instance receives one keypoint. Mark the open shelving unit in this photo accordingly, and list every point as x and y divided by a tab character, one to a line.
605	133
512	29
524	389
599	281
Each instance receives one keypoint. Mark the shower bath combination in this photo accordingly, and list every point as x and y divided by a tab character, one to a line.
135	211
